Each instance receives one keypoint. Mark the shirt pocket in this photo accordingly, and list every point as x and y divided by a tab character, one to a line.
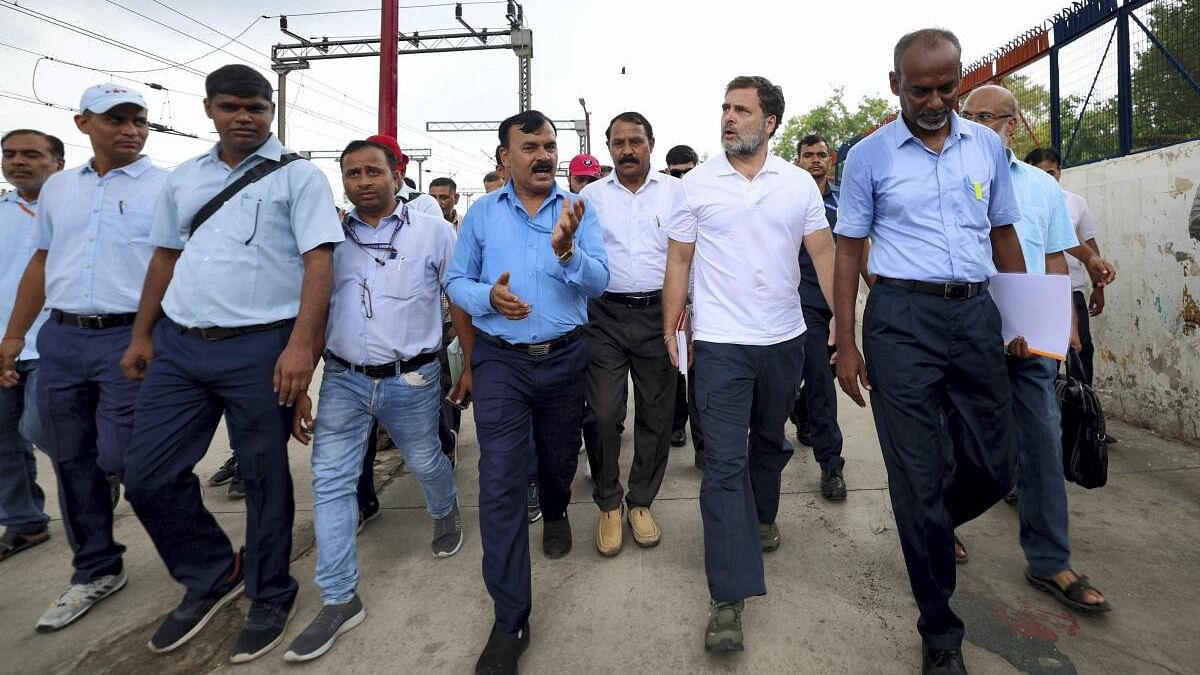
402	279
134	224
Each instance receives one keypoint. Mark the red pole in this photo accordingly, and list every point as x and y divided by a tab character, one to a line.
389	30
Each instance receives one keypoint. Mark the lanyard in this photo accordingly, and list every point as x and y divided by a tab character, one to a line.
370	246
28	211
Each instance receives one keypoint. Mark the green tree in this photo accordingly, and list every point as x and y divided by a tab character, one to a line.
833	120
1165	108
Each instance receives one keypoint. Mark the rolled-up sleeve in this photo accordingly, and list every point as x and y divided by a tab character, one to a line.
314	218
856	201
463	283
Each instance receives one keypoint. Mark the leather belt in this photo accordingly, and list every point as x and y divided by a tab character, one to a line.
388	369
215	333
93	321
635	300
540	349
951	290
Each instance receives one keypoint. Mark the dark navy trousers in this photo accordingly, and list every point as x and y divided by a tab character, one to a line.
817	404
518	395
87	417
743	395
190	383
937	364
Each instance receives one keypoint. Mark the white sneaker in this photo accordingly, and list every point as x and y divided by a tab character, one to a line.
77	600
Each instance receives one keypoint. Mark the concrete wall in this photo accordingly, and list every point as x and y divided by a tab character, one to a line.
1148	338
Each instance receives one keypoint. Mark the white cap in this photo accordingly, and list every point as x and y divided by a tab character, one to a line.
104	97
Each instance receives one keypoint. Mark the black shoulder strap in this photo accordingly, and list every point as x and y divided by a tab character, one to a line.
260	170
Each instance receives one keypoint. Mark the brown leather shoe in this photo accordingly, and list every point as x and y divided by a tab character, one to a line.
610	532
646	532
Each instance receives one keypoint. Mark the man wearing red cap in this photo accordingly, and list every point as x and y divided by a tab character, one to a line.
583	170
418	201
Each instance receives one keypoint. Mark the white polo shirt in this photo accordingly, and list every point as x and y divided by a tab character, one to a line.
634	226
748	235
1085	228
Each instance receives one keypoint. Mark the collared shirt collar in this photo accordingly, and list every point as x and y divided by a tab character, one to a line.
271	149
15	196
652	177
352	216
509	193
902	134
133	170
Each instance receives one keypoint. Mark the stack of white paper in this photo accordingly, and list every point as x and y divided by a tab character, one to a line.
1036	307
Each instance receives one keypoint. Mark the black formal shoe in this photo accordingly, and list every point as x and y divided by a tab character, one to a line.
1110	439
802	435
503	650
556	537
678	439
943	662
833	485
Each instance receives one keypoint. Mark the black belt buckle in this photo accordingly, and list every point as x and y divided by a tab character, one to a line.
90	322
378	372
956	291
215	334
538	350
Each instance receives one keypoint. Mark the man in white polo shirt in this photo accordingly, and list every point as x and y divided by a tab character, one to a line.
747	214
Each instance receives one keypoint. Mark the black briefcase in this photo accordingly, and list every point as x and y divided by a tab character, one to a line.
1084	442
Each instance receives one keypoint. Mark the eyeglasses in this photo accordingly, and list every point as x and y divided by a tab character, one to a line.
678	173
365	298
983	117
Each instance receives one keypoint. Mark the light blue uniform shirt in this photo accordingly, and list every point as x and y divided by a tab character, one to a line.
243	267
498	235
94	230
1045	225
929	215
18	240
382	313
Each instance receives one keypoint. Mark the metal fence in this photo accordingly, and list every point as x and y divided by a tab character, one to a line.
1116	78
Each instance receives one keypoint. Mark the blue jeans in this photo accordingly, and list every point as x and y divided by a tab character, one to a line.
22	502
1040	483
408	406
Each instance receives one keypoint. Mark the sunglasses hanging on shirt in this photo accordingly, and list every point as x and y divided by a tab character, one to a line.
389	249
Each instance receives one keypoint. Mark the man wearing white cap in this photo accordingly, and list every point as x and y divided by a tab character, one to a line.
92	225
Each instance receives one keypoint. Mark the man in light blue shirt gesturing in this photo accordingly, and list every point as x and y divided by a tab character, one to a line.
527	260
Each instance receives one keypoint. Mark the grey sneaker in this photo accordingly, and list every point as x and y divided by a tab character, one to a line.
77	600
330	622
768	536
724	632
447	534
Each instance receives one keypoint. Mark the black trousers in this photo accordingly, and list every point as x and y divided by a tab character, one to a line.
189	385
817	403
1087	353
927	358
680	418
622	340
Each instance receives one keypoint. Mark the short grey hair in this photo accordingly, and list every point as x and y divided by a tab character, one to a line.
926	36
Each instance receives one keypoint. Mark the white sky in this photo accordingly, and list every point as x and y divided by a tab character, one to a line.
677	57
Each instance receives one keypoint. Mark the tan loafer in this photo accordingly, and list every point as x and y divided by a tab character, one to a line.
610	532
646	532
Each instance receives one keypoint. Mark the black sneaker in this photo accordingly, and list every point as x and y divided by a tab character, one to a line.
833	485
556	537
330	622
503	650
943	662
186	620
227	472
237	487
678	439
368	513
265	625
533	505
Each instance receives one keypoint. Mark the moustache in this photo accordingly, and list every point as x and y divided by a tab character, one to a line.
629	160
542	166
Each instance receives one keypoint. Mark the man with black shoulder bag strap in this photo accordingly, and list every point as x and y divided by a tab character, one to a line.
242	272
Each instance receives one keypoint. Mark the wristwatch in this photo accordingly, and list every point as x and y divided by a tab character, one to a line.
566	257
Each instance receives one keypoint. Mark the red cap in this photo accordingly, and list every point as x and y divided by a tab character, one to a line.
584	165
391	144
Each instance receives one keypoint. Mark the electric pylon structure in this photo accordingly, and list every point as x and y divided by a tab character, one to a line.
286	57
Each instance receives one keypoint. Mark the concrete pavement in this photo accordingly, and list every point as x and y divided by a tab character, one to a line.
838	603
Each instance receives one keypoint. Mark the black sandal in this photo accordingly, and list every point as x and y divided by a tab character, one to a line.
13	543
1073	595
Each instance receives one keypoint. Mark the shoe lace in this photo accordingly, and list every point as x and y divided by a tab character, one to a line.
74	595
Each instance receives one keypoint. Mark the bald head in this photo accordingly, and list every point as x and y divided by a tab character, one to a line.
993	97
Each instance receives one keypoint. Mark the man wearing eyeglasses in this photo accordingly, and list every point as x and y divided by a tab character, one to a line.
382	341
92	224
1046	233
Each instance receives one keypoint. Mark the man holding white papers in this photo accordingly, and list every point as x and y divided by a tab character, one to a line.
747	213
933	193
1045	232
